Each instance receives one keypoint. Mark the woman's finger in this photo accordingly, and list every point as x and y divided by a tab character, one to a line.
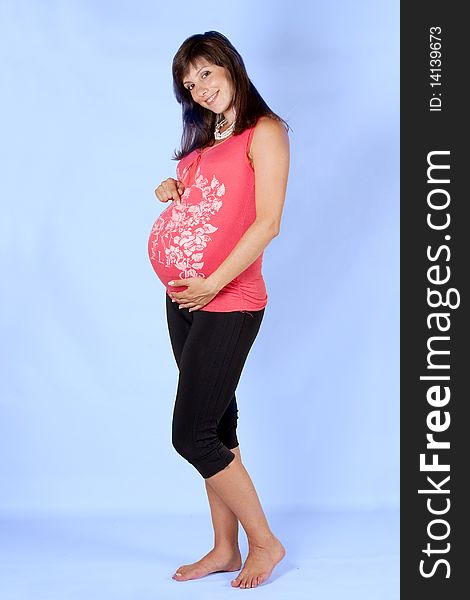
169	190
162	194
187	304
172	191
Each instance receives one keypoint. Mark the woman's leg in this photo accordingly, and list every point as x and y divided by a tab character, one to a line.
235	487
211	364
224	520
226	553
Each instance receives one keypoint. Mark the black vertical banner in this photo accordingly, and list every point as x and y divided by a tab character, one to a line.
434	256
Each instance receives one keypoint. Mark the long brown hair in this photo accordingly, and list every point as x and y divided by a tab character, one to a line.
198	122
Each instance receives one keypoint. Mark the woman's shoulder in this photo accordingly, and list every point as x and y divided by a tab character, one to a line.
269	124
268	130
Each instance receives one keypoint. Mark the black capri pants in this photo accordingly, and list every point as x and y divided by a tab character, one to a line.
210	349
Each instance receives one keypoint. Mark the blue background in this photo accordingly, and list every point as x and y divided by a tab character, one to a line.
90	124
88	378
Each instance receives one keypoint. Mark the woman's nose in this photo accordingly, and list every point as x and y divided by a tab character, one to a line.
202	93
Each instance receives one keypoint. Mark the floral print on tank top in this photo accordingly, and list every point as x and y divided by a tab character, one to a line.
182	239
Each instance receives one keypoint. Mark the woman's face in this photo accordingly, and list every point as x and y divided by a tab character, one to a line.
210	86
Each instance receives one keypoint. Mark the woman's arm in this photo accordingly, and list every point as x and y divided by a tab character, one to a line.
271	159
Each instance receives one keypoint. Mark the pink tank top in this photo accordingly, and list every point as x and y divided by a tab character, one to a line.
217	207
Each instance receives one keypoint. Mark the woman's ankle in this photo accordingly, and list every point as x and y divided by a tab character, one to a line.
262	540
227	547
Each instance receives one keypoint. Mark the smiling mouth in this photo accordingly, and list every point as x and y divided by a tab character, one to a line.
212	98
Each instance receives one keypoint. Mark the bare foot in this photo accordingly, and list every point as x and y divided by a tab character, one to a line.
260	563
213	562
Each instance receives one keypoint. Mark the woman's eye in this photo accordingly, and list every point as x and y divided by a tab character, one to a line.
191	85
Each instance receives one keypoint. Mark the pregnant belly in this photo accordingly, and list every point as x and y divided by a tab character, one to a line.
183	243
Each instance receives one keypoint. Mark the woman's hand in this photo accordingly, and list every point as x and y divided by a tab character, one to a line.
200	292
170	189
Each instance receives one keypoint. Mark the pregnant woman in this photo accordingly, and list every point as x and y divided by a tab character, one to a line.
207	247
